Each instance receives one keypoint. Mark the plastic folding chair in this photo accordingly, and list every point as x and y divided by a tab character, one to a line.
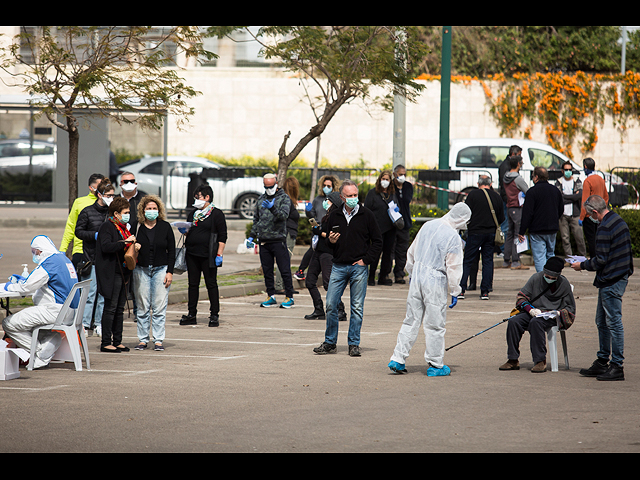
553	348
69	322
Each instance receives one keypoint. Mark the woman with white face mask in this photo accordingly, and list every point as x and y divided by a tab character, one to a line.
89	221
377	201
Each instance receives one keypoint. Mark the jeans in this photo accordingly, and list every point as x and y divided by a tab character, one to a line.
94	298
341	275
542	248
476	244
151	295
609	321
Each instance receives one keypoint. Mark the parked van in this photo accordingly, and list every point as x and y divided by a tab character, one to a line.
476	156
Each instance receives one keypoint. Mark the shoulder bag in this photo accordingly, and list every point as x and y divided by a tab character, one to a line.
499	238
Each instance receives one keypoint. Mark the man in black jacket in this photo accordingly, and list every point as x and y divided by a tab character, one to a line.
481	233
356	241
541	212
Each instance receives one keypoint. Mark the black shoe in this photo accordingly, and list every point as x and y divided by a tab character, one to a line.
342	316
614	372
598	367
214	321
325	348
188	320
354	351
484	296
472	286
371	282
385	281
109	350
400	281
318	314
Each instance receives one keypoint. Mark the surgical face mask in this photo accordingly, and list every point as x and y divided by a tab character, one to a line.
401	179
594	220
271	190
129	187
151	214
199	204
125	218
351	202
550	280
327	190
325	204
107	200
384	183
568	174
35	258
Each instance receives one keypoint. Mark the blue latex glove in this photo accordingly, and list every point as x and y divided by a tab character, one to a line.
16	278
580	222
96	236
308	206
219	261
454	301
249	242
397	209
182	230
268	204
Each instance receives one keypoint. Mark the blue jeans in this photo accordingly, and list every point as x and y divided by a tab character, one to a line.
93	298
341	275
151	295
542	248
609	321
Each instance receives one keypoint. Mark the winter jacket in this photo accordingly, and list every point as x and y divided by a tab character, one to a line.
542	209
270	224
88	224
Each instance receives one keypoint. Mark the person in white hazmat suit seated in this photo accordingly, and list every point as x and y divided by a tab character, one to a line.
50	284
434	264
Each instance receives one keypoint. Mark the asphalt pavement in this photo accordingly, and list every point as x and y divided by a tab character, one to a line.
254	384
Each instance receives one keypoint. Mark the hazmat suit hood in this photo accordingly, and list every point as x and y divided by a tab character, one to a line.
458	216
45	245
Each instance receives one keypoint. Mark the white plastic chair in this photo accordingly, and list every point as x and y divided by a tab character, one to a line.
553	348
69	321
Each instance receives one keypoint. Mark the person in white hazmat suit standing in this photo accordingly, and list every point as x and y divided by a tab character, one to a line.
434	264
50	284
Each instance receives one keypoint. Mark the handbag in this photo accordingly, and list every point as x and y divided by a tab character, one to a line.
180	265
131	257
499	238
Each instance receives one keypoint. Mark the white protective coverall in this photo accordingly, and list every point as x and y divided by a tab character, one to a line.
434	263
49	283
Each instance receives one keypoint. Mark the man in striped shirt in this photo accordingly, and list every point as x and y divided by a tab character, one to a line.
613	263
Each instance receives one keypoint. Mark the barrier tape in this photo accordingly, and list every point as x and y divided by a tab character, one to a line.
440	188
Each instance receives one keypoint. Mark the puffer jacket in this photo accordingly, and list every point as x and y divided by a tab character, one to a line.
270	224
88	224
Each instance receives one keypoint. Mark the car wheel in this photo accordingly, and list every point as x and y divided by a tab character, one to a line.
246	206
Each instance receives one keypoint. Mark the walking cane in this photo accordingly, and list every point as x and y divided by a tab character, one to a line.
499	323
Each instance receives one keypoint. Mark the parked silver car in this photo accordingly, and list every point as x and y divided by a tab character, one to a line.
232	193
14	156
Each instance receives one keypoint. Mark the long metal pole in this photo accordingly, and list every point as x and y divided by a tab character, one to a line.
445	100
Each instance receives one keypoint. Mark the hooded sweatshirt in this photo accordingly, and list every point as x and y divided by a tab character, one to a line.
513	184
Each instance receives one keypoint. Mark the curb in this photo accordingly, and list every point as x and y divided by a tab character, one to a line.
227	291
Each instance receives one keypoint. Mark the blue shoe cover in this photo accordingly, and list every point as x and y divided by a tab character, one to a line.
397	367
438	372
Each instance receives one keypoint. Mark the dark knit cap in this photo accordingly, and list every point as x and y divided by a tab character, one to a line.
554	266
334	198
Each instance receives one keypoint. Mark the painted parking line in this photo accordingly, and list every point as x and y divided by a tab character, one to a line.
34	389
230	341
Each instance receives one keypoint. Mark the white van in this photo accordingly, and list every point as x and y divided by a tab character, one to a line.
476	156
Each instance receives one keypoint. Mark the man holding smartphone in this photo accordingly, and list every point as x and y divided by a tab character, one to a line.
356	241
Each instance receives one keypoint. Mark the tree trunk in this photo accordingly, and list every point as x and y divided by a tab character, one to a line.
314	173
74	145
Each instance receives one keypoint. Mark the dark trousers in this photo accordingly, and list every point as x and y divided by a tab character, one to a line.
195	267
589	229
306	259
113	313
400	253
388	239
537	328
320	262
475	245
276	251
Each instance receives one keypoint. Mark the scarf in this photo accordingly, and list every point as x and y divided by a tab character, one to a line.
123	230
202	215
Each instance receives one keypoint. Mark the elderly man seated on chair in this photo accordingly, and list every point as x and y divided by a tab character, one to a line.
50	284
544	302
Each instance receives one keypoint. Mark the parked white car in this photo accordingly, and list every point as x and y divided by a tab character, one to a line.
474	156
14	156
230	193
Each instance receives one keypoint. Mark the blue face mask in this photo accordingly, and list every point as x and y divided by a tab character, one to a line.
35	258
327	190
125	218
351	202
594	220
550	280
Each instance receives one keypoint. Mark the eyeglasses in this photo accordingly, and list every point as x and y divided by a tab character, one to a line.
108	195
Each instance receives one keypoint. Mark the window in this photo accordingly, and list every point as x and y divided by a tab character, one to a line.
497	155
542	158
470	157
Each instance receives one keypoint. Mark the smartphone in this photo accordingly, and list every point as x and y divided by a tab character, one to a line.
335	229
313	222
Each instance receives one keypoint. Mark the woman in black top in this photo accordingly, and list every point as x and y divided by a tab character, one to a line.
112	273
154	272
377	201
205	242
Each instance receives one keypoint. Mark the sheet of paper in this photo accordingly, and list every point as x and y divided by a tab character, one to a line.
521	246
575	258
548	315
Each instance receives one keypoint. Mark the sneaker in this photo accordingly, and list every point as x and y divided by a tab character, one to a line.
269	302
438	372
599	367
397	367
461	296
519	267
484	296
141	346
354	350
614	372
325	348
288	303
506	264
98	330
299	275
158	347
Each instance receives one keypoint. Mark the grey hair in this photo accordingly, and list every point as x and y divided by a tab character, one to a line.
484	180
595	203
398	167
347	182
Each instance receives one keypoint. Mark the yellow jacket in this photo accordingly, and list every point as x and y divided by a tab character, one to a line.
70	228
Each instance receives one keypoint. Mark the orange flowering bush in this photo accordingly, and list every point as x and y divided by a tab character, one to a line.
570	107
